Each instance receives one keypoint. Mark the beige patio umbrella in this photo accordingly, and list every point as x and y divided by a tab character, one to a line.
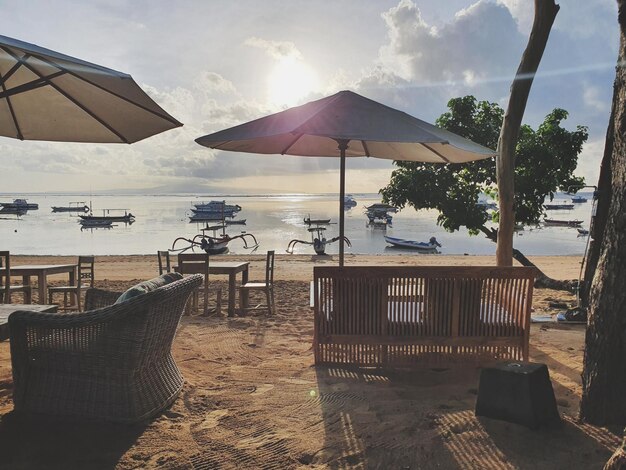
45	95
347	125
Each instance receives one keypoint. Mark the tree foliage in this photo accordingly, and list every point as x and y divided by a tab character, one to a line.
545	162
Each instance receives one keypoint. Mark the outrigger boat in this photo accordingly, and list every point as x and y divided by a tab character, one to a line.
95	223
562	223
430	247
318	241
127	218
73	207
208	216
214	244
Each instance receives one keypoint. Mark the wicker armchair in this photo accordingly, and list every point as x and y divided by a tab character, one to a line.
112	362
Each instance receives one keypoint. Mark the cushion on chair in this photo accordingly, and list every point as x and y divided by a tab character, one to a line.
147	286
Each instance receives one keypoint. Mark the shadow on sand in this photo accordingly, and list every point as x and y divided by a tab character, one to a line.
42	442
425	419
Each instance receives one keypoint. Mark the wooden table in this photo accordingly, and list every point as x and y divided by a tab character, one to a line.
229	268
8	309
42	271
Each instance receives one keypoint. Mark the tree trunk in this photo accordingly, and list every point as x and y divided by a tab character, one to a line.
598	221
604	371
541	280
545	12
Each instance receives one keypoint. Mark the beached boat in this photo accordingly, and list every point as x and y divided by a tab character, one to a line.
19	204
579	199
583	231
562	223
429	247
558	206
72	207
310	221
235	222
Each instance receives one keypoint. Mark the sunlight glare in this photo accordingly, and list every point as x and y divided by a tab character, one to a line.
290	81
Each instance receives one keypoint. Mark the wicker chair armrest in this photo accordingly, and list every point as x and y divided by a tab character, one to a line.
98	298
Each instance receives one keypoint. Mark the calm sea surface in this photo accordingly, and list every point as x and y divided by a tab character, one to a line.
274	221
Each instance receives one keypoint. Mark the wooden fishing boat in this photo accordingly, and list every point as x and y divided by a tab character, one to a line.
562	223
127	217
310	221
95	223
558	206
19	204
72	207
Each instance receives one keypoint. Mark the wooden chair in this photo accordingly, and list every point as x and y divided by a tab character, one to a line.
5	282
198	263
267	287
164	262
85	280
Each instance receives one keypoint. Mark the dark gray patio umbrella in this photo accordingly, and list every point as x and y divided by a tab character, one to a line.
45	95
347	125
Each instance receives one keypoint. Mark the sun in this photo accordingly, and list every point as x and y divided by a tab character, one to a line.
290	81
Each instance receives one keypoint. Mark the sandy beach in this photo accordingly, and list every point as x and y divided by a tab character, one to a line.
253	398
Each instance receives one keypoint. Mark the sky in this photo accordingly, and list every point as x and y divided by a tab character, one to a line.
215	64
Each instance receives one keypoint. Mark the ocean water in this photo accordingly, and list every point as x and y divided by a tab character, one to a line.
274	220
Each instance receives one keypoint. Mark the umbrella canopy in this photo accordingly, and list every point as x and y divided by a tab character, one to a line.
347	125
45	95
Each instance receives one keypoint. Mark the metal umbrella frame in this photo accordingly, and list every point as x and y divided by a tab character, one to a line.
343	125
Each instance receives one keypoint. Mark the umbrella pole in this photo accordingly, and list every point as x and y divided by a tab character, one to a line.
343	145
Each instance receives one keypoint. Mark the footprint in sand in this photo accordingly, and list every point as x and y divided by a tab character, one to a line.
212	419
263	388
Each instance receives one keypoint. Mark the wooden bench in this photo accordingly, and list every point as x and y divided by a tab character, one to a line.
375	316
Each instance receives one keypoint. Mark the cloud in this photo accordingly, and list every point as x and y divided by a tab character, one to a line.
595	99
275	49
578	19
462	48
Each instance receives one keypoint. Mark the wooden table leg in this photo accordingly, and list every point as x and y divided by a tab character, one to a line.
231	294
244	292
72	281
43	287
